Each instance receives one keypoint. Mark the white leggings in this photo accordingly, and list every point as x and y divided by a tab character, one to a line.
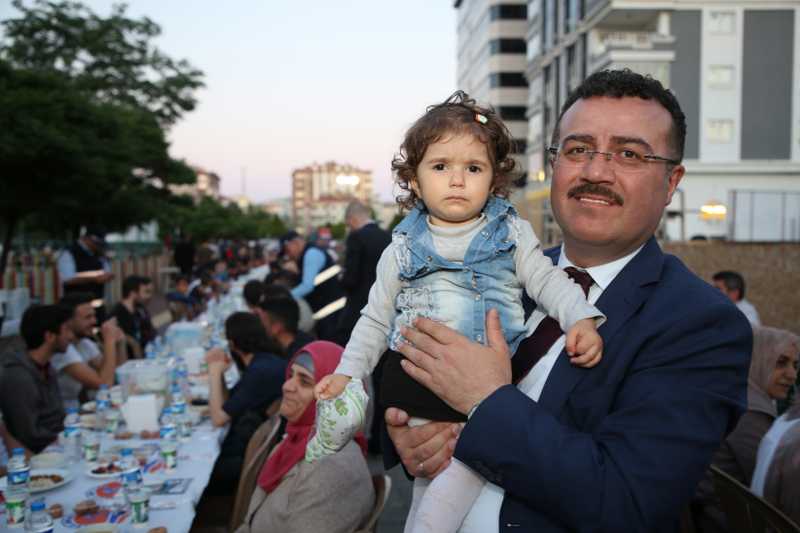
440	505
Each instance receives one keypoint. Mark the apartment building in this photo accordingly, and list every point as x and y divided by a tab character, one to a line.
321	192
492	63
734	66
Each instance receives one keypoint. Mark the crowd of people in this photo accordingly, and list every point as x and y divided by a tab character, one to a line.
586	387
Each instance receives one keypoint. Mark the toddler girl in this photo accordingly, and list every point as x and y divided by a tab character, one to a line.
460	251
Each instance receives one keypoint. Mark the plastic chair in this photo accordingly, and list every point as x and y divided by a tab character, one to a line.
258	448
383	487
746	512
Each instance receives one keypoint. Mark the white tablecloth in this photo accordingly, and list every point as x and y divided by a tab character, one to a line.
195	461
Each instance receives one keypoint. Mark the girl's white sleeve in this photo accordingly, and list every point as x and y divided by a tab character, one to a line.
370	337
548	285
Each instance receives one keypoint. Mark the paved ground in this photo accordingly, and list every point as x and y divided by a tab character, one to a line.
394	514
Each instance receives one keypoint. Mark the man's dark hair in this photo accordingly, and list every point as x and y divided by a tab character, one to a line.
39	319
279	303
622	83
247	333
132	284
252	292
74	299
732	280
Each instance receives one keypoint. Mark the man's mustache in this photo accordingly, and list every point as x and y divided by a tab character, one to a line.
595	190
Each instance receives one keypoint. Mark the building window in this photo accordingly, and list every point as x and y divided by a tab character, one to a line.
722	22
719	130
508	12
720	76
512	112
507	79
507	46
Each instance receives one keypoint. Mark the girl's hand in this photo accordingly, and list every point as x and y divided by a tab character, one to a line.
584	344
331	386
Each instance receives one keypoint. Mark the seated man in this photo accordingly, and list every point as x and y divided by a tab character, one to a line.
83	365
280	314
182	304
732	285
29	398
131	314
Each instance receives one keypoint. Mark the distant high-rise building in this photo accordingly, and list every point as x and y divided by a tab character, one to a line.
207	185
492	62
321	192
735	68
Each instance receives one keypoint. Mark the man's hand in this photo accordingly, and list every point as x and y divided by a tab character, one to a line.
424	450
215	355
105	277
111	331
457	370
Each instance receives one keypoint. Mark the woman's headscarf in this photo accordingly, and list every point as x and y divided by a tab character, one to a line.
768	344
292	449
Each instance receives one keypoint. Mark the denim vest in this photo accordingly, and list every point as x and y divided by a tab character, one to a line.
460	294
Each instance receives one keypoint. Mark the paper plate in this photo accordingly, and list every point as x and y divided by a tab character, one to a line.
37	484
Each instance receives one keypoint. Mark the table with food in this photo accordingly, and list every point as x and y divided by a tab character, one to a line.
139	456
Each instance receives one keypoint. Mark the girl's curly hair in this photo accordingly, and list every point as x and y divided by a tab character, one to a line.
458	114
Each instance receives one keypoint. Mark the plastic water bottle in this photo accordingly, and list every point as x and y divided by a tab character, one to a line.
19	471
169	432
38	521
178	400
131	475
150	350
72	434
16	495
169	439
102	405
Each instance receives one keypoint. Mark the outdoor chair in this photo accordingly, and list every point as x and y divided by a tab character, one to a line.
258	448
746	512
383	487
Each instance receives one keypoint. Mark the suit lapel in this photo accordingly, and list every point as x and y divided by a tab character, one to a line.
621	299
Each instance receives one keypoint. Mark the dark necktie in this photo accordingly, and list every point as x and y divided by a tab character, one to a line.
547	332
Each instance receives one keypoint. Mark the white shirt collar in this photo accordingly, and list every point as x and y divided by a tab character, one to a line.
602	275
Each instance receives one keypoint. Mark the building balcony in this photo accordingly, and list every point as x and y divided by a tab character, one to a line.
611	48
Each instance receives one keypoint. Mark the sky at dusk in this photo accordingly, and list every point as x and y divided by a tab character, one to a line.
289	82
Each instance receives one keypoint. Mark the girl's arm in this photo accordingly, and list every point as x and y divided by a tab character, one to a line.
546	284
370	336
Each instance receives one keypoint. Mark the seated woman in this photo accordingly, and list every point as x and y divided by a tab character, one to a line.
777	474
334	494
772	373
262	366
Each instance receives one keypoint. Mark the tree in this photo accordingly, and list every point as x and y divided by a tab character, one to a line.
65	157
112	58
210	219
84	101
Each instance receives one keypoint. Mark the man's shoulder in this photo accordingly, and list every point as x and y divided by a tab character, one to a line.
61	360
13	369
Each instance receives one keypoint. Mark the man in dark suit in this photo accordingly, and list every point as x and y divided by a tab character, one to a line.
621	446
363	249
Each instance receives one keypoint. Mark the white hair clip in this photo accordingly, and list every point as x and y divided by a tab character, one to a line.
481	118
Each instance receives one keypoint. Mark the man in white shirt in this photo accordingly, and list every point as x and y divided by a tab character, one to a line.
83	365
732	285
619	447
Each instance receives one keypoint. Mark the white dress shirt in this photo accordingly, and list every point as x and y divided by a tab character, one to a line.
484	517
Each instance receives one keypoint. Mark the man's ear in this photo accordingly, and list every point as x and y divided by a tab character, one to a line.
673	179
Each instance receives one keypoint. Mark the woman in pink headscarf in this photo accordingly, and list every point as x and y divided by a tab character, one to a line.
332	495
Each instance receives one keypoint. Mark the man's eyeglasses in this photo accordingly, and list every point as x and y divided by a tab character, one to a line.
624	158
